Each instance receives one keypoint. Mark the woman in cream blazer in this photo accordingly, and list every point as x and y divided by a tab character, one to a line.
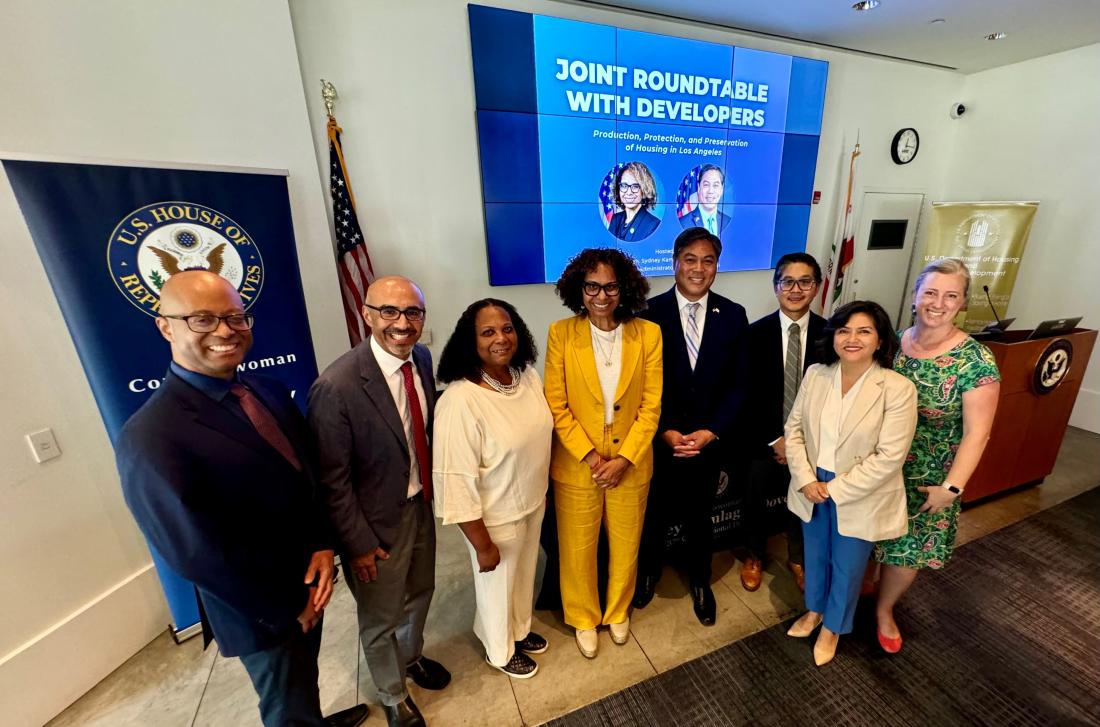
847	436
603	385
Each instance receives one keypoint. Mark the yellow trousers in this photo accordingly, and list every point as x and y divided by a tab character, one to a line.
580	510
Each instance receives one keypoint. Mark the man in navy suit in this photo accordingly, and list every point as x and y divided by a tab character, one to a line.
779	360
216	470
712	182
704	384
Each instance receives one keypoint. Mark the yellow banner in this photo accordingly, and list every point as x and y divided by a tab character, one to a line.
990	237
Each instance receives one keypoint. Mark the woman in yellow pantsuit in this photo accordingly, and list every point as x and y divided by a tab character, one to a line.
603	384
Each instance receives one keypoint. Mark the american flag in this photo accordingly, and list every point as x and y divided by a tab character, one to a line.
607	199
356	273
687	196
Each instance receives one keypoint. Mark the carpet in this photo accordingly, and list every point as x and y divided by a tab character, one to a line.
1007	634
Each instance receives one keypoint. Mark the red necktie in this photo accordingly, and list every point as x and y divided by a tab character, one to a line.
423	455
265	424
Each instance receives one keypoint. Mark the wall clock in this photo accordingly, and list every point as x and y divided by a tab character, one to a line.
904	147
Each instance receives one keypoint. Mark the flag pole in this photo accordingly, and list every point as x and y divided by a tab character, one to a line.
843	249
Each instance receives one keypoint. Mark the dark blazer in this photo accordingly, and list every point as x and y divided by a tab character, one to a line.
695	219
763	422
644	224
362	453
224	509
709	397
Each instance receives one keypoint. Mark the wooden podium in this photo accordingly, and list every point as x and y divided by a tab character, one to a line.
1034	408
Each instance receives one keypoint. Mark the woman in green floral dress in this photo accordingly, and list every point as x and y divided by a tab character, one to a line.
957	388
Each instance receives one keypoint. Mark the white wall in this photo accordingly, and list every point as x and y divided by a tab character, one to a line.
405	79
188	81
1030	134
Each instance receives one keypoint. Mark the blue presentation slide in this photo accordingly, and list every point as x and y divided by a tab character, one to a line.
595	136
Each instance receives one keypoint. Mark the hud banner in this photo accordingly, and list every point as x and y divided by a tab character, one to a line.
109	236
990	237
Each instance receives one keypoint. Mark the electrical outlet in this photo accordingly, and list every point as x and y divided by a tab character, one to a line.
43	445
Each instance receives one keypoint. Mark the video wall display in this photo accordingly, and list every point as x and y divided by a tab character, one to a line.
595	136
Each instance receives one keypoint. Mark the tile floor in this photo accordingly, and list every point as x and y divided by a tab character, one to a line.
168	685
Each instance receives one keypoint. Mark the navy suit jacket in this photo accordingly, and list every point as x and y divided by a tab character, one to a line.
224	509
710	397
644	224
695	219
763	421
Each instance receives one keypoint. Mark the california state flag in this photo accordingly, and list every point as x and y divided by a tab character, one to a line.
843	249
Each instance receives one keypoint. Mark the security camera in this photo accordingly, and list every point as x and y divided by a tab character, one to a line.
957	110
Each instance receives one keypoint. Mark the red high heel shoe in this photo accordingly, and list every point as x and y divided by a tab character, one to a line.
890	646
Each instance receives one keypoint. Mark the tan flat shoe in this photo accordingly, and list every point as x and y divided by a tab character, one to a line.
825	647
804	626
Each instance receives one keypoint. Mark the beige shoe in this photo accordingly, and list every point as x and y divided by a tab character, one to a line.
587	642
620	632
805	625
825	646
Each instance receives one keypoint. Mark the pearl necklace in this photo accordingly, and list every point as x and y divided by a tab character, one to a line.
506	389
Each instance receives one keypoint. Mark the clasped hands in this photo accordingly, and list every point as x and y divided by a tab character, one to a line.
688	445
606	472
320	571
816	492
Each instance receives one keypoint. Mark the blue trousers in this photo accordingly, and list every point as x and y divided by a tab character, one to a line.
834	566
285	678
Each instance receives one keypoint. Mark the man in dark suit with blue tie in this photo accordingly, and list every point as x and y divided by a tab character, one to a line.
704	384
371	415
215	467
710	187
779	360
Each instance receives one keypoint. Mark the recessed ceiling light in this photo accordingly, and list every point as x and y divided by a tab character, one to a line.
996	36
865	5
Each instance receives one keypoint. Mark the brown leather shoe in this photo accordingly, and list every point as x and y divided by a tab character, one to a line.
799	574
752	570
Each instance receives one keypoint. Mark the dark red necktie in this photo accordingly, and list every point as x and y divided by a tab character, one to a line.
423	456
265	424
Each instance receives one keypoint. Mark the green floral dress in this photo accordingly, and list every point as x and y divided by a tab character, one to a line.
940	383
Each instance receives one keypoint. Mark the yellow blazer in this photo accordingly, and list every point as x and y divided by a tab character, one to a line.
576	400
869	489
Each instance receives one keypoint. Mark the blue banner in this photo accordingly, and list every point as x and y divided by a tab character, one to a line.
110	236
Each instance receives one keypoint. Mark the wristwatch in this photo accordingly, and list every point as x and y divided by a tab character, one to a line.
951	488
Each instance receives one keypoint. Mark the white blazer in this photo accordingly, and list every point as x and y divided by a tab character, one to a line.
869	490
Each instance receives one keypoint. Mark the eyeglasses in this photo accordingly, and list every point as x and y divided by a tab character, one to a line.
392	313
593	289
802	283
624	187
208	323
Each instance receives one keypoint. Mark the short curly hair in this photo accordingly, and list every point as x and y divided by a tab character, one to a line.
645	181
888	340
633	286
460	360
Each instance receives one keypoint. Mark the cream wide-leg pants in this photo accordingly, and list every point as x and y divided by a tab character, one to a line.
505	596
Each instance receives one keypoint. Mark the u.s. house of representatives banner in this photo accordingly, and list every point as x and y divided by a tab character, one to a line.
109	236
990	237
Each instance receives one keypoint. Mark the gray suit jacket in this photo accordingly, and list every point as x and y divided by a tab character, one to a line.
363	456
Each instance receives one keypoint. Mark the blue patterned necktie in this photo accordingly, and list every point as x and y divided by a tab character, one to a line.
691	335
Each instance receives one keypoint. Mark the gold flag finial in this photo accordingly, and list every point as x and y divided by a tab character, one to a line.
328	93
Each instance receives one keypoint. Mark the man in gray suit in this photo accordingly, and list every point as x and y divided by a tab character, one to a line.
371	415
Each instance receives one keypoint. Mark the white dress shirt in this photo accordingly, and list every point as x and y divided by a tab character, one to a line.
395	380
700	315
832	418
803	324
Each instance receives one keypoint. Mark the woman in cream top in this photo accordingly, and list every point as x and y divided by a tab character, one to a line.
847	436
491	470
